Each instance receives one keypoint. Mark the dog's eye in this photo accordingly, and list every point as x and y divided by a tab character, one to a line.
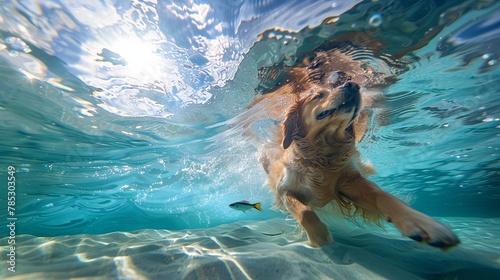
320	95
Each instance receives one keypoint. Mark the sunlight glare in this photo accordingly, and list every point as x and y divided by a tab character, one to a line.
142	60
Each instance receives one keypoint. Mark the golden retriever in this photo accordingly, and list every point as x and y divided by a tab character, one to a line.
314	161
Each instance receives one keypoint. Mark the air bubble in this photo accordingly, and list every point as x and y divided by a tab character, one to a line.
492	62
375	20
333	78
16	45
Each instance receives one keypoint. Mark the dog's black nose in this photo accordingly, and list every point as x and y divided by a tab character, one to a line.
351	85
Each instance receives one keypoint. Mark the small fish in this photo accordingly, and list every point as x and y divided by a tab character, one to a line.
245	206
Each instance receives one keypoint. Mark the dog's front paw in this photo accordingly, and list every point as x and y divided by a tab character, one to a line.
320	238
422	228
317	232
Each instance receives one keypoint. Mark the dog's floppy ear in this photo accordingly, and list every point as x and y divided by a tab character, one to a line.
351	131
291	125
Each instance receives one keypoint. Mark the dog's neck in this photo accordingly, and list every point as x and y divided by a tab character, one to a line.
325	152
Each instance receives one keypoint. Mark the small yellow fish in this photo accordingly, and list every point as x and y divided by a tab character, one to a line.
245	206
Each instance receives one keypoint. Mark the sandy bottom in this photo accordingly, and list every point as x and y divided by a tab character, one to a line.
272	249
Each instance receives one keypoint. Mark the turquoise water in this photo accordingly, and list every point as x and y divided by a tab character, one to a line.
124	116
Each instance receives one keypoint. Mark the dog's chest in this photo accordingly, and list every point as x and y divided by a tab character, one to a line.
311	185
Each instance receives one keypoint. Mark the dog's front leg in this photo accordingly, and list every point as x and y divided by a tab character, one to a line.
317	232
418	226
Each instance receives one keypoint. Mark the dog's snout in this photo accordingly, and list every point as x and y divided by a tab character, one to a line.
351	85
351	97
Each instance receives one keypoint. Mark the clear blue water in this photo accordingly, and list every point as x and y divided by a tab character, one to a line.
153	143
123	115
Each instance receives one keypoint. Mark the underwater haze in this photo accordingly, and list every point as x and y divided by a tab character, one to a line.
122	142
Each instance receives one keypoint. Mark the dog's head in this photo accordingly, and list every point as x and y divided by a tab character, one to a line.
325	112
